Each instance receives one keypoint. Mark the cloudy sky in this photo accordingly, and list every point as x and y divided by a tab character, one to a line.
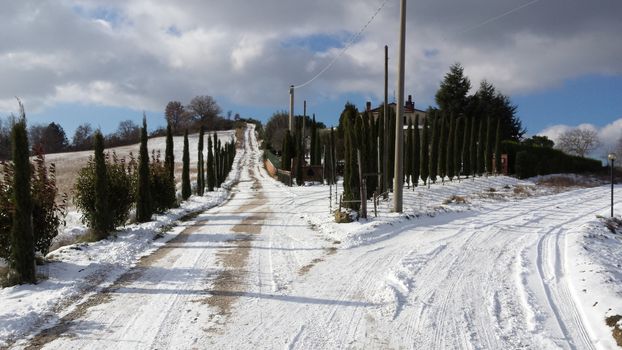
104	61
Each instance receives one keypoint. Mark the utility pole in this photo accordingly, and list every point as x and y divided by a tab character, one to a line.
304	121
291	108
385	144
398	180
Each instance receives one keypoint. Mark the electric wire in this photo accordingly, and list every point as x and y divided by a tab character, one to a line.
356	36
352	40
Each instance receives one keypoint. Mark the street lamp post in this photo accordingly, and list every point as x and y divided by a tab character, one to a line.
612	158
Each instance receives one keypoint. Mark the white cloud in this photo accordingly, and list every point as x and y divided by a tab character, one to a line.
608	135
62	51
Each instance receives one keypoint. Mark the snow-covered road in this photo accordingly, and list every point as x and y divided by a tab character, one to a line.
255	273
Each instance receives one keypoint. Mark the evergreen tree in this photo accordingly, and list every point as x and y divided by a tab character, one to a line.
169	156
103	218
217	160
450	163
466	147
186	191
451	97
416	151
458	133
442	150
380	132
488	146
144	206
350	178
200	164
434	149
473	147
22	237
408	153
425	153
372	152
313	156
210	165
286	158
480	149
498	166
300	154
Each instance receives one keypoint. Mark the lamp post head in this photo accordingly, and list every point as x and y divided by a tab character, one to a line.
611	156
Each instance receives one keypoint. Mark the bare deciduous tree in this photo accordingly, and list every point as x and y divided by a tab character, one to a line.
276	128
204	109
579	141
177	116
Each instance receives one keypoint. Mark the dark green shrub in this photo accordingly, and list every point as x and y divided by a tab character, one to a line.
162	185
542	161
47	214
121	185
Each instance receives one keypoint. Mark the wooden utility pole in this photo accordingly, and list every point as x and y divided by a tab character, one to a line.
291	108
304	122
398	180
385	144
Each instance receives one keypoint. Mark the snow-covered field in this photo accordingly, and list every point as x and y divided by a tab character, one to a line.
490	263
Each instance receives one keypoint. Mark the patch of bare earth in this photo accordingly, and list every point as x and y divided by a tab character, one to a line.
230	283
614	321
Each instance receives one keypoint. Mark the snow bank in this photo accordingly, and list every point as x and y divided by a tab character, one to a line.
78	271
596	275
441	198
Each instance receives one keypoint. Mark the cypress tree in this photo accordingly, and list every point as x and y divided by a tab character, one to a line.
210	165
313	155
391	141
200	164
103	218
480	149
450	163
22	237
217	166
169	156
489	145
458	146
442	151
186	191
498	167
221	164
408	155
350	179
300	154
416	151
371	143
434	150
144	207
285	152
425	153
473	147
466	147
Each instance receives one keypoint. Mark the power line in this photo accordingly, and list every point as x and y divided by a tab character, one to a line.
492	19
353	39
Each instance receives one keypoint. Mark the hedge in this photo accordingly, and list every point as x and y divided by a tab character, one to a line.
527	161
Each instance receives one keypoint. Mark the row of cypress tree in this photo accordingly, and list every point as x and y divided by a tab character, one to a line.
219	162
443	146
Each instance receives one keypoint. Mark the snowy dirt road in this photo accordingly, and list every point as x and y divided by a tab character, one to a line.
254	273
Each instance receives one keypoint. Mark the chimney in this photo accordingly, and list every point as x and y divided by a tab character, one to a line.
410	104
368	106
